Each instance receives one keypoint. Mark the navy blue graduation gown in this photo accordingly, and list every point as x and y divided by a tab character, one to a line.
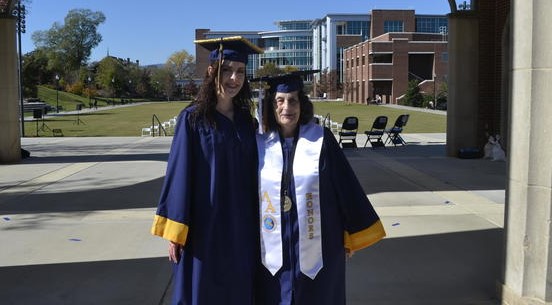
347	219
209	204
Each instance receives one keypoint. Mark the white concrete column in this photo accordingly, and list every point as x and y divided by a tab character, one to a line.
10	141
528	223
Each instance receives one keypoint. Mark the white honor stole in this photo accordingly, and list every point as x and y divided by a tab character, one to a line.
307	194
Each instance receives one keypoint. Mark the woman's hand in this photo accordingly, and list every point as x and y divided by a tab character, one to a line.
175	250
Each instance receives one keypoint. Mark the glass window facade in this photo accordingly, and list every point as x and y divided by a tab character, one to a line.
393	26
271	43
295	42
290	47
354	28
297	58
294	25
431	24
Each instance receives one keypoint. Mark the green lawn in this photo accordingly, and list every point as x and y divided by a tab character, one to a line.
116	122
68	101
129	121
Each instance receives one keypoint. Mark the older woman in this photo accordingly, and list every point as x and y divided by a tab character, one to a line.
313	209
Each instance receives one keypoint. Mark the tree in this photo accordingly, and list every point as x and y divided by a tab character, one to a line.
190	89
142	79
413	97
69	46
163	80
181	64
35	71
269	69
349	88
322	84
442	97
110	76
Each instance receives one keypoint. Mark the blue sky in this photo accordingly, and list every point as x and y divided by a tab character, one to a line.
151	31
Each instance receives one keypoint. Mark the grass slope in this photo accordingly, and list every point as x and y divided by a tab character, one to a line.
128	121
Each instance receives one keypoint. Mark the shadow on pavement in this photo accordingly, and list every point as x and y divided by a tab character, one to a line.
444	269
118	282
138	195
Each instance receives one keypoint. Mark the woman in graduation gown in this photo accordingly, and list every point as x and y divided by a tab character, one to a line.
208	205
313	210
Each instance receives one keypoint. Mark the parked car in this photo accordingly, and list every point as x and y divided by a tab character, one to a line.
441	106
30	104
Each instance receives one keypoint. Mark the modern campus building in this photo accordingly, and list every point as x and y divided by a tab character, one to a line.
323	44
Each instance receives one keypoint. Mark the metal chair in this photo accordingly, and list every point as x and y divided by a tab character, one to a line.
348	132
394	133
375	134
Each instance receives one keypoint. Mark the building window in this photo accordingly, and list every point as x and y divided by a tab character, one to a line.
444	57
353	28
382	58
393	26
431	24
294	25
271	43
339	29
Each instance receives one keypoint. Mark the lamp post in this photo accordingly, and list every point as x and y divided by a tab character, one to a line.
89	97
57	93
113	85
20	12
434	90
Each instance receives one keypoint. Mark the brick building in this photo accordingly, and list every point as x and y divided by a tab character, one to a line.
397	53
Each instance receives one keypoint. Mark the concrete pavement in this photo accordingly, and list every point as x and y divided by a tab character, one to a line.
75	218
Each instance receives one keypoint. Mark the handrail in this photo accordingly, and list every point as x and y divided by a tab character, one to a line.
327	118
160	126
419	78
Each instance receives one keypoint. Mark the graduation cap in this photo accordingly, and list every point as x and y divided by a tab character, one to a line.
234	48
285	83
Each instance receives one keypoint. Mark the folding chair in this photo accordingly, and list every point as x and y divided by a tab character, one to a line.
348	132
394	133
146	131
374	135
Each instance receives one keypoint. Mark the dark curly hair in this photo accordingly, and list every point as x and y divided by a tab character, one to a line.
269	114
206	101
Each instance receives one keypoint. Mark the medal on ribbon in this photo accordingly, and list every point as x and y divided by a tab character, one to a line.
287	203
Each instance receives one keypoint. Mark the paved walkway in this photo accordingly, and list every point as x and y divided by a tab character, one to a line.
75	218
435	111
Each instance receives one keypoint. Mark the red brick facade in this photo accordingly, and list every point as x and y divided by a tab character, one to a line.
383	65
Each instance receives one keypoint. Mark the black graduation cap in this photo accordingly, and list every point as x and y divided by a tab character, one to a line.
234	48
285	83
